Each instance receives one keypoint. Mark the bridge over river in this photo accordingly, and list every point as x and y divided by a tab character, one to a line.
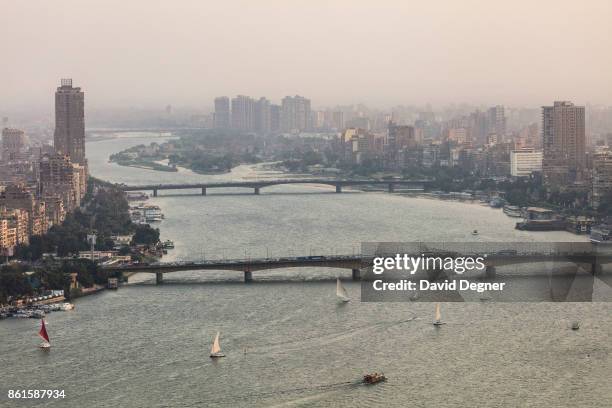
257	185
358	262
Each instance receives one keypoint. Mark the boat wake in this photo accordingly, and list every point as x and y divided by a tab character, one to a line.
321	391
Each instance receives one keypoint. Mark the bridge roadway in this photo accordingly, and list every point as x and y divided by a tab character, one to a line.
256	185
355	263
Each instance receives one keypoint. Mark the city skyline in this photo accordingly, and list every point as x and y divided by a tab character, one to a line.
408	54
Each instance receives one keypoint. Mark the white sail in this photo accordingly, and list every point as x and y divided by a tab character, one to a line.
216	348
341	291
438	314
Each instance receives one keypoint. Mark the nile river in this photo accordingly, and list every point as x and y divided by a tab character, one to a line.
287	340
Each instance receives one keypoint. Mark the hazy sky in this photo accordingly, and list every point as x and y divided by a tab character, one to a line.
184	52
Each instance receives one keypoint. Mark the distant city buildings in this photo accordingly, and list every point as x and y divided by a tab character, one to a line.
260	116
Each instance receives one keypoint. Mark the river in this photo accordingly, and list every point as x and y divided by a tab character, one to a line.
288	342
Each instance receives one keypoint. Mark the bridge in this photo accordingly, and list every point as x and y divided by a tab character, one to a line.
358	262
353	262
257	185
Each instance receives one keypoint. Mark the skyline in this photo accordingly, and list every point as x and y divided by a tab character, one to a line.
340	53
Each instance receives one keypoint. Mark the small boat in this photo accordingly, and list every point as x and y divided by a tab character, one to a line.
45	345
168	244
38	314
512	211
23	314
341	292
215	351
475	232
66	306
576	325
438	321
374	378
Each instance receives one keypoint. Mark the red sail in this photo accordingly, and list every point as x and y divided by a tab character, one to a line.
43	331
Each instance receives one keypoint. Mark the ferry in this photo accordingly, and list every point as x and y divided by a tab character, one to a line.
512	211
541	219
152	213
142	214
167	244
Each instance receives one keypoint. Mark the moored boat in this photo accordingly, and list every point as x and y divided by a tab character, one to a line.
512	211
66	306
602	233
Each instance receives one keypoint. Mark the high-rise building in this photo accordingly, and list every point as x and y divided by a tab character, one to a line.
563	140
602	177
338	120
222	112
262	121
275	118
243	108
69	137
295	114
14	143
58	176
496	121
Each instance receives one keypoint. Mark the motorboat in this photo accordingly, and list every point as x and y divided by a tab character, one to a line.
374	378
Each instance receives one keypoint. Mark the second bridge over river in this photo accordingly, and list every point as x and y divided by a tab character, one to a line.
257	185
588	261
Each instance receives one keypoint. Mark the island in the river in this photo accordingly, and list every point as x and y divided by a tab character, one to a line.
211	152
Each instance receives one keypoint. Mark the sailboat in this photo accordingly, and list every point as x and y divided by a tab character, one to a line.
438	321
215	351
45	345
341	291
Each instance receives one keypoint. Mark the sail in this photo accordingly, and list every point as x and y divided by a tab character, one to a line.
43	331
341	291
438	314
216	348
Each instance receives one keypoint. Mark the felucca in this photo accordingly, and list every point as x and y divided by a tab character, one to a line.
438	321
45	345
341	291
215	351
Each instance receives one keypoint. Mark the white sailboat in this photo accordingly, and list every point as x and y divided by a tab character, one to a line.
215	351
438	321
341	291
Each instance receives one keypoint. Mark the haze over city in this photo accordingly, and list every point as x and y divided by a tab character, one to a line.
149	54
